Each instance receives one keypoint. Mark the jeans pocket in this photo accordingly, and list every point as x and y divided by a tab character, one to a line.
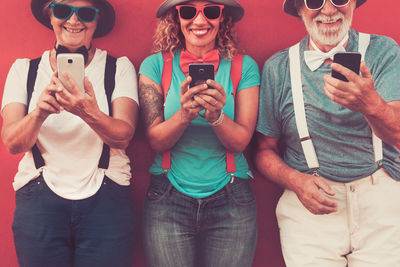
118	190
241	192
31	188
158	188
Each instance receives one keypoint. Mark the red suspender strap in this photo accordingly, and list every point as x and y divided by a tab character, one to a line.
166	78
236	72
236	75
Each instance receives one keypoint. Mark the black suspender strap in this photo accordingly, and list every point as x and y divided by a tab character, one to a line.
32	73
109	84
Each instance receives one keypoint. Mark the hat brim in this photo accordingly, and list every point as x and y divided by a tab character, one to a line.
232	7
105	23
290	8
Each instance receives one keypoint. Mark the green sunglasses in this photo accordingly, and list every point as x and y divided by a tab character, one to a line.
84	13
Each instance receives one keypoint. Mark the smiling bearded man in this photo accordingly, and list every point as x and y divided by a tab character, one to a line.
340	168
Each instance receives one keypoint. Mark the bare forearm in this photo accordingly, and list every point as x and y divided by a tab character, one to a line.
236	134
233	136
114	132
20	136
385	122
271	166
164	135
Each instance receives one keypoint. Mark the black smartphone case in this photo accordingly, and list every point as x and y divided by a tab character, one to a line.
200	73
350	60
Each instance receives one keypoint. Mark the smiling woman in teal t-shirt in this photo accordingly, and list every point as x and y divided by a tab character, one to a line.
198	163
199	201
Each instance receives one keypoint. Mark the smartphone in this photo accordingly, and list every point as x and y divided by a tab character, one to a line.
73	64
350	60
200	73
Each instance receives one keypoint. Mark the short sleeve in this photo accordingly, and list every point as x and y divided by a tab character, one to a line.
15	90
272	81
383	57
125	80
250	74
152	67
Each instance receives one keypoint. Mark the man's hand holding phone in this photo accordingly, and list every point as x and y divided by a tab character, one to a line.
358	92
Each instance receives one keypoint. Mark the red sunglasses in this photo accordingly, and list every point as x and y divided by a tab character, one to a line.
188	12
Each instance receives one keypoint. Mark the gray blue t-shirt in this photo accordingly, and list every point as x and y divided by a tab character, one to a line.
198	159
342	138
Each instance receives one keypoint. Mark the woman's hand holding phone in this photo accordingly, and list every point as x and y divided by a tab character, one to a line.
190	108
74	100
47	103
212	99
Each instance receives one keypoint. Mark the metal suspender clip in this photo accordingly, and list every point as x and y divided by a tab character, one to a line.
379	162
232	178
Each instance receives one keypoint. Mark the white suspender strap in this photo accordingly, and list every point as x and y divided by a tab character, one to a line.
363	43
299	111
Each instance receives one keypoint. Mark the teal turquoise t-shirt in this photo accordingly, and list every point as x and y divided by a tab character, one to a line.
198	159
342	138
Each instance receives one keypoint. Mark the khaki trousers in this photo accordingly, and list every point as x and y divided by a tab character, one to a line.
364	232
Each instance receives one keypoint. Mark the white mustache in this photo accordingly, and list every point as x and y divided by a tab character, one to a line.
328	19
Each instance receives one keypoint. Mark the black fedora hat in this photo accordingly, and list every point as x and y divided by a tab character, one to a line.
106	16
290	7
232	7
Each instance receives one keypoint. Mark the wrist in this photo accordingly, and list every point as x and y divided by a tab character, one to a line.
377	109
39	114
94	117
295	181
184	119
219	120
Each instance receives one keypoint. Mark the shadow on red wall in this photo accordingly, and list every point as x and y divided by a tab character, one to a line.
264	30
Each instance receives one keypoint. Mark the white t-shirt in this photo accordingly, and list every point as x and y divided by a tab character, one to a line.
70	148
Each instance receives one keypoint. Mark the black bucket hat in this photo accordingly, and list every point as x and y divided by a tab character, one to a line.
106	16
290	8
232	7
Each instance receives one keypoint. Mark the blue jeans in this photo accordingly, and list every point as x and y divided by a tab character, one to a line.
219	230
52	231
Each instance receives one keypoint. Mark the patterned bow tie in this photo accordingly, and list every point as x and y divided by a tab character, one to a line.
315	58
187	58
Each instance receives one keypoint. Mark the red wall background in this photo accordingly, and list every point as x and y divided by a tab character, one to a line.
264	30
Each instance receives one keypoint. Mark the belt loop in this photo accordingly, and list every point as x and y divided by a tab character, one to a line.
228	189
170	187
374	178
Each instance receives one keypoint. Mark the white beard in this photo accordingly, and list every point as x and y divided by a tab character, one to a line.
331	36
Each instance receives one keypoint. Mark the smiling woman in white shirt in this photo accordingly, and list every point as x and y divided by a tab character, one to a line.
75	171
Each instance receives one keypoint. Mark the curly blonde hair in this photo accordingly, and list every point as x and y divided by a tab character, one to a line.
169	38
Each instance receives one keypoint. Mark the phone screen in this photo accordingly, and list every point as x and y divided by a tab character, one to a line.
350	60
200	73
